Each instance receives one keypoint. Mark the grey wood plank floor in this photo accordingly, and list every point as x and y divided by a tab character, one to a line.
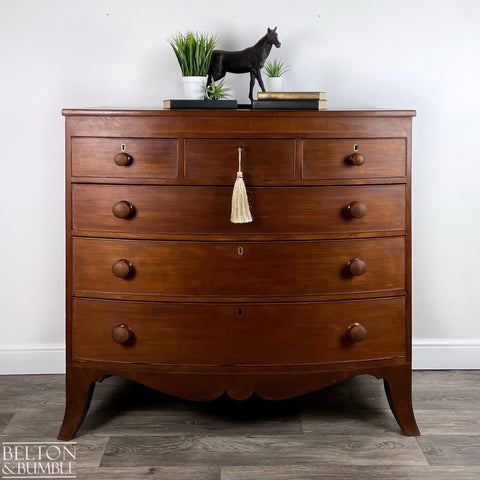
342	432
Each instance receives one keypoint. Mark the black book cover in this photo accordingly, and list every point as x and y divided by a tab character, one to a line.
185	103
301	104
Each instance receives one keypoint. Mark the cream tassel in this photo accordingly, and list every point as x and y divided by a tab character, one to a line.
240	209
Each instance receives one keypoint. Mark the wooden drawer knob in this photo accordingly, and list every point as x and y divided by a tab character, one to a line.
122	269
356	159
357	267
122	159
357	209
122	334
123	209
357	332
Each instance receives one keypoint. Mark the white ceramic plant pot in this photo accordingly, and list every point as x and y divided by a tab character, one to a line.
194	87
274	84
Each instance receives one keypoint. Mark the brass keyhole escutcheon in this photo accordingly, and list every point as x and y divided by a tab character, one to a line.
355	148
240	250
123	147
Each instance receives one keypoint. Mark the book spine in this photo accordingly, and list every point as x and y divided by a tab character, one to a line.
289	105
291	95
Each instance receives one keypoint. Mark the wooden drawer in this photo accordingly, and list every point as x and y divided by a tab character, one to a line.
328	159
150	158
206	210
236	269
236	334
216	160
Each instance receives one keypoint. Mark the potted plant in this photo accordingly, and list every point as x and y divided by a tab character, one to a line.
217	91
274	70
194	52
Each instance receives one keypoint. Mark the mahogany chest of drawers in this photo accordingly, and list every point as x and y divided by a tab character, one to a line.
164	289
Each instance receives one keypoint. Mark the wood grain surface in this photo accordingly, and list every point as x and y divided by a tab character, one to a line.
94	157
329	158
189	210
220	269
284	333
263	160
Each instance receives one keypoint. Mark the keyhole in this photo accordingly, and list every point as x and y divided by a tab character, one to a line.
355	148
239	311
123	147
240	250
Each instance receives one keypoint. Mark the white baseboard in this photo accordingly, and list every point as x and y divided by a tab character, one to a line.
448	354
428	354
25	359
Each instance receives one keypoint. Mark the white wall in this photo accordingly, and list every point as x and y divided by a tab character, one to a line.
419	54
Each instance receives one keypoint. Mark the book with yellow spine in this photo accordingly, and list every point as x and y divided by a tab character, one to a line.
291	96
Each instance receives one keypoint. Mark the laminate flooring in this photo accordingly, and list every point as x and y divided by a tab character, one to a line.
342	432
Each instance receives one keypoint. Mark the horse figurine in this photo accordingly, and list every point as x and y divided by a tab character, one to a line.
250	60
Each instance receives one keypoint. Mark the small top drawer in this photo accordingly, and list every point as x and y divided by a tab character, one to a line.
264	160
329	159
139	157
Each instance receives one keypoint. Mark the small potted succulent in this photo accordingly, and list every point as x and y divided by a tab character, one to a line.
194	52
274	70
217	91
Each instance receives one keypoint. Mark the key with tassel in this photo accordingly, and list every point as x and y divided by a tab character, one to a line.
240	208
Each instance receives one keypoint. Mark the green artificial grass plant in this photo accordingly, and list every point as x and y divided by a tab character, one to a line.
193	51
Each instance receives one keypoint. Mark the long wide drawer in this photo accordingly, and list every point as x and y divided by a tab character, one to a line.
249	334
206	210
237	269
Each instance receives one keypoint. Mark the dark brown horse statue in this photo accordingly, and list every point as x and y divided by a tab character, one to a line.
250	60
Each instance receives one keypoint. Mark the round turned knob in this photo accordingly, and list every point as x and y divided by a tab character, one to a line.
357	209
122	159
357	266
357	332
122	334
123	209
122	269
356	159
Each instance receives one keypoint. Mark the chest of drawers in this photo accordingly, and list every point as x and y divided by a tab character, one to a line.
162	288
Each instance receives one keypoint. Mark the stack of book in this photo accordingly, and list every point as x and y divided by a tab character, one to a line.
290	101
